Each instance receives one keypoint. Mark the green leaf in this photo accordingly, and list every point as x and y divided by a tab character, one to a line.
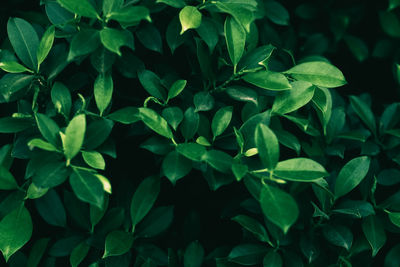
358	47
152	84
247	254
126	115
219	160
299	170
111	5
279	207
61	98
190	18
267	146
103	89
253	226
7	180
221	120
390	23
97	132
203	101
190	123
50	174
130	16
13	86
87	187
94	159
375	233
322	99
318	73
173	115
351	175
84	42
45	44
80	7
96	214
155	122
392	258
24	40
117	243
13	67
14	125
74	136
194	255
78	254
268	80
240	93
277	13
150	37
291	100
15	231
235	37
208	33
156	222
173	3
48	128
113	39
364	112
175	166
192	151
338	235
176	88
52	209
243	12
143	198
272	259
355	208
393	4
37	251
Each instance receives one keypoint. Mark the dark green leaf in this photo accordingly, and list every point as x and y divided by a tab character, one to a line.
114	39
87	187
117	243
272	259
7	180
82	8
37	251
253	226
175	166
374	232
268	80
156	222
338	235
203	101
247	254
61	98
50	174
192	151
130	16
152	84
364	112
219	160
176	88
190	123
173	115
12	86
52	209
78	254
48	128
267	146
150	37
277	14
194	254
83	43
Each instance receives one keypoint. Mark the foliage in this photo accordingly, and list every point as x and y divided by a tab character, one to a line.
115	115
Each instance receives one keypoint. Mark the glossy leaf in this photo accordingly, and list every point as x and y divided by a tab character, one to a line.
190	18
61	97
94	159
117	243
176	88
125	115
155	122
247	254
291	100
221	121
176	166
74	136
113	39
82	8
13	67
267	146
87	187
103	89
300	170
130	16
45	44
268	80
375	233
235	37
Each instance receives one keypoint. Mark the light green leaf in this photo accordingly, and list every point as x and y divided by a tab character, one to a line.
13	67
235	37
87	187
130	16
192	151
351	175
61	98
74	136
173	115
152	84
272	259
143	198
48	128
267	146
78	254
117	243
15	231
40	143
319	73
125	115
291	100
24	40
279	207
194	255
374	232
103	89
80	7
268	80
110	6
300	170
221	120
7	180
175	166
94	159
113	39
155	122
45	45
364	112
190	18
241	93
176	88
253	226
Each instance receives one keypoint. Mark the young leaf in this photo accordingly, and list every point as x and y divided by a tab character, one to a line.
268	80
175	166
235	37
173	115
291	100
143	198
78	254
194	254
87	187
253	226
13	67
125	115
118	243
374	232
94	159
190	18
155	122
279	207
351	175
113	39
176	88
7	180
300	170
15	231
24	40
61	98
267	146
318	73
80	7
74	136
364	112
103	89
45	45
221	120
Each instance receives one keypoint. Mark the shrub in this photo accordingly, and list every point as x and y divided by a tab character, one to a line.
194	133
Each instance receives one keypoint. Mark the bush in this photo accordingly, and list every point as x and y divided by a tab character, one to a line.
199	133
